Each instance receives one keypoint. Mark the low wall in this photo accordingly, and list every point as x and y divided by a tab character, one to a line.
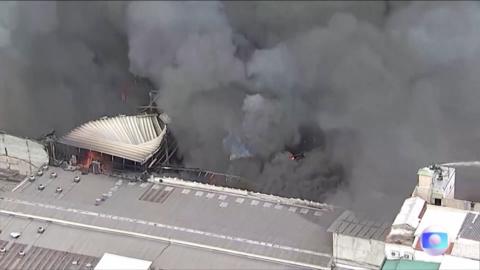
364	252
17	165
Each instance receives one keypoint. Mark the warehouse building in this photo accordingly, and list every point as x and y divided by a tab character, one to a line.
135	143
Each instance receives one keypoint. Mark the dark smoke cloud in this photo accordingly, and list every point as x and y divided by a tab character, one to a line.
391	86
386	81
62	64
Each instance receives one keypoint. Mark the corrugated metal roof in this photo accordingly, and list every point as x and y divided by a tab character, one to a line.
42	258
471	227
409	265
349	223
134	138
410	211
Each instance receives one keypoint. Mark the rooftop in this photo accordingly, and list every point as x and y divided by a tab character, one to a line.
41	258
451	220
471	227
235	229
351	224
134	138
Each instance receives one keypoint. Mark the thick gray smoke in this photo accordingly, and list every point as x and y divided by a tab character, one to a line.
391	85
62	64
379	88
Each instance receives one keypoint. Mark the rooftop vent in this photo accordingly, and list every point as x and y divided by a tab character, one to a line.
76	179
15	235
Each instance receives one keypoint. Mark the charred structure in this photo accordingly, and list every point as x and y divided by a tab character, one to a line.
133	143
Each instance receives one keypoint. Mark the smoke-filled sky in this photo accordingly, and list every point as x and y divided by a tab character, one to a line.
392	86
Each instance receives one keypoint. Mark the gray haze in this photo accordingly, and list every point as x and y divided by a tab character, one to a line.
392	85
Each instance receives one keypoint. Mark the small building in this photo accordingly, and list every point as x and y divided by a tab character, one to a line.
358	241
399	241
136	143
436	183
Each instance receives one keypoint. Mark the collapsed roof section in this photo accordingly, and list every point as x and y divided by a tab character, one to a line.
136	138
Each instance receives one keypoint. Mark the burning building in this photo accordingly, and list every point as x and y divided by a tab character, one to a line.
136	143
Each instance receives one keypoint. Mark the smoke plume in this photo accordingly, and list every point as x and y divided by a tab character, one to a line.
367	92
62	64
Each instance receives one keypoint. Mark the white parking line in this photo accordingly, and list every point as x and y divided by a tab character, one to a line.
186	243
199	193
156	187
292	209
318	213
254	202
267	204
222	197
278	206
224	204
159	225
240	200
304	211
185	191
168	188
210	195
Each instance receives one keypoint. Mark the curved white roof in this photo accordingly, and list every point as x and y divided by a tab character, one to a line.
134	138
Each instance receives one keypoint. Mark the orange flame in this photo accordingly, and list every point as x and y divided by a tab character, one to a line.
89	158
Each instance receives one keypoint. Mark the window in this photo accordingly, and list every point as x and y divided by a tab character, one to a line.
438	201
395	254
407	256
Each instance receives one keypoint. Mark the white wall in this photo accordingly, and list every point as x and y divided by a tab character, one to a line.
358	250
400	250
455	263
420	255
17	165
466	248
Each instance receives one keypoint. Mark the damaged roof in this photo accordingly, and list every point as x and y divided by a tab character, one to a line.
135	137
349	223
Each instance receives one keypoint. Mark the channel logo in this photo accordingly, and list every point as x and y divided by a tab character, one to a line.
434	240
